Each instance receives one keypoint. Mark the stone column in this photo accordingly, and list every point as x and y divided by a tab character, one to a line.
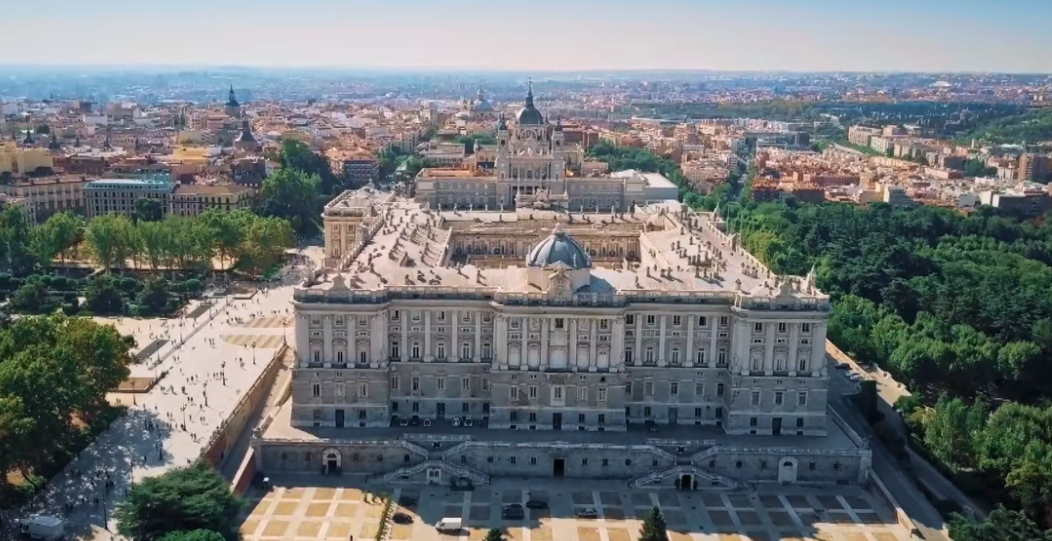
593	326
691	355
500	342
617	354
768	353
818	349
712	343
456	334
478	337
794	339
404	321
524	352
545	326
326	356
428	355
661	341
303	337
639	339
572	360
378	340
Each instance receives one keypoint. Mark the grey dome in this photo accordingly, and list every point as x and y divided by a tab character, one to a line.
559	248
529	115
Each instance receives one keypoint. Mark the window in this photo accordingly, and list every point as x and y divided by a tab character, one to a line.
560	323
440	383
416	407
779	398
674	359
512	460
799	422
802	365
465	350
702	321
699	357
394	315
362	357
557	393
719	389
415	316
316	389
757	327
584	461
805	328
650	356
763	464
533	392
416	350
394	350
752	421
339	356
723	321
582	394
630	319
721	356
441	315
338	389
415	382
604	324
699	389
466	318
755	364
339	321
781	327
513	393
465	407
465	384
628	356
811	466
628	387
363	390
602	418
646	411
316	414
533	461
440	350
673	388
677	321
601	394
755	398
606	461
317	356
513	416
533	417
648	388
580	418
487	350
362	415
697	412
651	320
395	383
801	398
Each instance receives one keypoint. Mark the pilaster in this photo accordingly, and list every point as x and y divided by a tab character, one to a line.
428	354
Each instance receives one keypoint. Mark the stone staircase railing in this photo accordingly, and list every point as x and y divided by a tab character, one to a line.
474	476
413	448
698	473
705	453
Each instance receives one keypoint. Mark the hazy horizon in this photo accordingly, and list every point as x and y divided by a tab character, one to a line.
779	36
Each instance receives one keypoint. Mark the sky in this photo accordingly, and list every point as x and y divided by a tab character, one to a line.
539	35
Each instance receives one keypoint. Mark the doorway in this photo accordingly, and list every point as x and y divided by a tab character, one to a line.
440	410
673	415
686	482
557	421
339	418
787	471
776	426
559	467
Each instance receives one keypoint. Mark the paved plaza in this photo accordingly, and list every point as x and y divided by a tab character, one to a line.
212	357
302	508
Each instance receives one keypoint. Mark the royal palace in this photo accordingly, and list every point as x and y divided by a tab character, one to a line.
519	321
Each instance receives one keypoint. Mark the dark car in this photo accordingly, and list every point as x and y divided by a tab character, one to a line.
407	501
843	366
587	512
513	512
536	504
402	518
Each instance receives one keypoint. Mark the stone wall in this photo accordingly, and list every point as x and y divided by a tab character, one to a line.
226	436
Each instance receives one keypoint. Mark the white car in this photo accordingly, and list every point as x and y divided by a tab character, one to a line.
854	377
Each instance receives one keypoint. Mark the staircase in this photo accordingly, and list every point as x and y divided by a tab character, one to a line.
474	476
705	453
413	448
657	476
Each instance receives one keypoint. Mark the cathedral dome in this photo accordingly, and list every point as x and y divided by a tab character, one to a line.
559	248
481	105
529	115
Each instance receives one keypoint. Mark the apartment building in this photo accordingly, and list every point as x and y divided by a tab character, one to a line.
1035	167
109	196
47	195
361	170
194	199
860	135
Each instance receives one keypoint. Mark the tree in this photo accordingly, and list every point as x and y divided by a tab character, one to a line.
494	534
293	195
181	500
193	535
16	239
102	296
57	237
654	528
297	156
148	210
155	297
31	297
1001	525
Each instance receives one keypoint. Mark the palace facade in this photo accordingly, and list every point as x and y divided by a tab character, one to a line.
516	335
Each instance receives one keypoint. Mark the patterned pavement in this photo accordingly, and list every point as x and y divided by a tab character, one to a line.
331	511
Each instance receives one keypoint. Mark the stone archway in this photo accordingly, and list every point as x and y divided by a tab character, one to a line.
332	458
787	470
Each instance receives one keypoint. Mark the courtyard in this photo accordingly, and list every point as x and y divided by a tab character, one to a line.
305	507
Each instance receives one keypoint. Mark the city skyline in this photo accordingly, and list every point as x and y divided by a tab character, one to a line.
584	35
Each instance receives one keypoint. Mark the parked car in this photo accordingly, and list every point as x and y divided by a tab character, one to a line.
407	501
402	518
587	512
843	366
513	512
536	504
